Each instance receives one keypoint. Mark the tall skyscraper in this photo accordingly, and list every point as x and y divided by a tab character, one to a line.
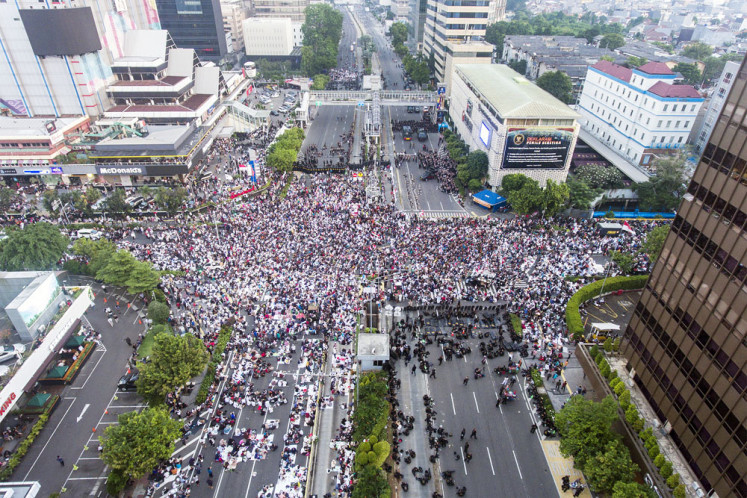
685	343
451	23
196	24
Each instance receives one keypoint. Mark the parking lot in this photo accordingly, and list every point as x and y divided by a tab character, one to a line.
87	406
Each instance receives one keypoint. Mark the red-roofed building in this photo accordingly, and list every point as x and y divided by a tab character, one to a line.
637	113
655	68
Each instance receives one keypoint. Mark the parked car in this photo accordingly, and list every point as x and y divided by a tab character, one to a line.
11	351
422	135
428	175
274	113
127	381
87	233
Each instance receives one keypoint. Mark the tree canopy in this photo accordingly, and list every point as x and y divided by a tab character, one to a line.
585	428
322	30
690	72
655	241
7	198
283	153
417	68
115	204
555	23
320	82
610	466
158	312
170	199
663	191
37	246
137	444
698	51
173	361
118	268
558	84
612	41
398	30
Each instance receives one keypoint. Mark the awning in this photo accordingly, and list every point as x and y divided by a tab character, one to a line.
74	341
57	372
489	199
38	400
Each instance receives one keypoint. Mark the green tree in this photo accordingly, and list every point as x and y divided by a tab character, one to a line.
173	361
514	182
655	241
7	198
599	177
580	194
631	490
370	483
698	51
118	268
477	164
610	466
398	31
624	400
558	84
138	443
527	200
585	427
715	65
281	159
624	261
158	312
115	205
612	41
38	246
519	66
320	82
143	278
679	491
96	252
554	198
634	61
401	50
607	58
322	30
690	72
170	199
663	191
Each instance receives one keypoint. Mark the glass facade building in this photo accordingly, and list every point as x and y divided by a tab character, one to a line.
196	24
685	343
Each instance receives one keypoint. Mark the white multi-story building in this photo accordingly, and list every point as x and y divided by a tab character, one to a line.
458	21
234	14
521	127
268	36
718	98
637	113
56	61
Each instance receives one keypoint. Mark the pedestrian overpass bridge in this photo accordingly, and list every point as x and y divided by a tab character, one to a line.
385	97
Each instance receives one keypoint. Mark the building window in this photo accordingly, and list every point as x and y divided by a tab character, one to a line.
659	125
677	124
674	108
666	106
669	123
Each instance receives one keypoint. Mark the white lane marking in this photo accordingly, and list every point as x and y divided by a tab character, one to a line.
453	408
463	461
48	440
475	398
491	460
517	464
85	409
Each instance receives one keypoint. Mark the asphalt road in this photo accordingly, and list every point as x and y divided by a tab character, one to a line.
69	431
507	459
330	124
412	193
391	66
346	57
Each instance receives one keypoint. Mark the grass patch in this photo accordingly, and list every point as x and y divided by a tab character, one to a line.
146	347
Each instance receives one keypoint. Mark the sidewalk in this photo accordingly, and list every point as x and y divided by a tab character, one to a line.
559	465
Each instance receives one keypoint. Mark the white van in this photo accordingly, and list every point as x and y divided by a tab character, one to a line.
88	233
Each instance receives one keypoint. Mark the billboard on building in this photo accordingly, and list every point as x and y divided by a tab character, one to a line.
545	148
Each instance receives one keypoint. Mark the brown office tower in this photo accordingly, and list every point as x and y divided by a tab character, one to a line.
686	340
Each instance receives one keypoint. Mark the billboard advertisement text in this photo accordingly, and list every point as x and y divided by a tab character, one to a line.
537	148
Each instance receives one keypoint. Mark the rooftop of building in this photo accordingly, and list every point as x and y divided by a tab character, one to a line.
656	68
190	105
663	89
614	70
512	95
165	81
373	344
162	140
13	128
